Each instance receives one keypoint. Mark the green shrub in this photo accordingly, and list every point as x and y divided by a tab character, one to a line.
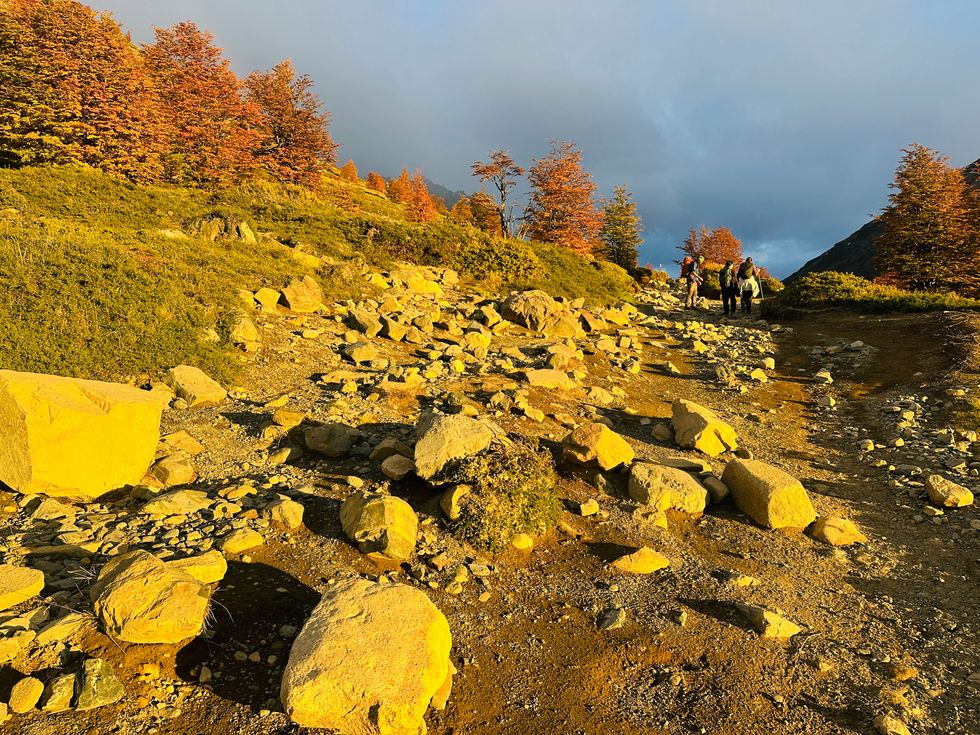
513	491
832	289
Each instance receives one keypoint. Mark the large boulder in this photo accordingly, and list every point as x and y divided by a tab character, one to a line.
303	295
140	599
68	437
370	660
331	440
194	386
597	444
443	438
697	427
382	525
768	495
537	311
666	487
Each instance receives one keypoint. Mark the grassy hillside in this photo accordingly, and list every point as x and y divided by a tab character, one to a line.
103	278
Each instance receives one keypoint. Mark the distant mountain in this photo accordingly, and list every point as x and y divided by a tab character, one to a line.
448	195
855	253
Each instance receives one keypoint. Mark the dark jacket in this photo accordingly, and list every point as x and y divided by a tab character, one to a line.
746	270
726	279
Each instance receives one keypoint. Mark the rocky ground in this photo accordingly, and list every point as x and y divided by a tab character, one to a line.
548	636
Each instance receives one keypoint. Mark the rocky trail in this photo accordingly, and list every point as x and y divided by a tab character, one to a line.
294	559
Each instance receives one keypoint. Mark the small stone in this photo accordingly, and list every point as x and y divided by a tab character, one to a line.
588	508
522	542
768	623
947	493
58	694
890	725
25	695
837	531
642	561
396	467
241	540
612	618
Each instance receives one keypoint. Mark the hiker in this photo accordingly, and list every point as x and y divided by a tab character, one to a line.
748	286
693	276
728	285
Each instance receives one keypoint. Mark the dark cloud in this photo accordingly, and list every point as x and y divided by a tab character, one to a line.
781	120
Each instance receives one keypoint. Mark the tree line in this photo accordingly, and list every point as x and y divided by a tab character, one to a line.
75	89
562	207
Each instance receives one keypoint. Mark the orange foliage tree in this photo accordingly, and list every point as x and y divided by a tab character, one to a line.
400	189
562	209
502	172
930	237
376	181
74	88
213	132
485	213
461	211
295	143
717	245
420	206
348	172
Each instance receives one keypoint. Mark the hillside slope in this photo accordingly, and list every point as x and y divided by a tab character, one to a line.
855	253
103	278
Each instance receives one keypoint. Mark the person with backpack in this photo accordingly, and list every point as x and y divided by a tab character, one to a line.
694	279
728	287
748	286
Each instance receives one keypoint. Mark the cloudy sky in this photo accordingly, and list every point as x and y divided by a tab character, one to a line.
782	120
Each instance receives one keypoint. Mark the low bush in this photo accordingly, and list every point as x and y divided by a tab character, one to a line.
832	289
513	491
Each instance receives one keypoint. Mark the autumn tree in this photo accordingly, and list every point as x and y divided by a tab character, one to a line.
376	181
621	227
294	143
717	245
74	88
562	209
502	172
461	211
348	172
485	213
213	133
400	189
929	237
419	205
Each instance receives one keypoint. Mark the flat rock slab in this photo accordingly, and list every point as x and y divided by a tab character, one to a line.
19	584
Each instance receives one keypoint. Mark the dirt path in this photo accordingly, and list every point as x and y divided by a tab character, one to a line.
530	657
